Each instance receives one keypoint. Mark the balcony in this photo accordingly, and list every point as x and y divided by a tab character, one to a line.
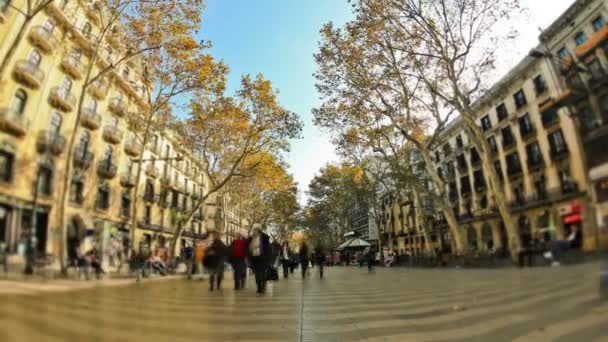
557	155
92	11
98	89
28	74
12	122
133	148
50	142
90	119
82	159
112	134
43	39
72	66
106	169
62	99
118	107
127	180
151	171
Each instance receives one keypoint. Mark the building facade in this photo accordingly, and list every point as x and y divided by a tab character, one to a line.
38	103
545	122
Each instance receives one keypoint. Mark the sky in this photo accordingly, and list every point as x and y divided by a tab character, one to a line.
279	37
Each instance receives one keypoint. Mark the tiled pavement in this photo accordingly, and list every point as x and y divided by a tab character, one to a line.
541	304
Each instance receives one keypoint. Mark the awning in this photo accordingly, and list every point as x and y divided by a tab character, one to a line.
353	243
574	218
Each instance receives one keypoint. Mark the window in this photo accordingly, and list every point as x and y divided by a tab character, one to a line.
55	125
66	85
85	138
103	197
86	29
447	149
149	192
480	183
534	154
492	143
174	199
598	23
147	215
462	163
498	169
108	154
563	53
513	164
520	99
437	157
34	58
507	137
501	112
474	156
45	180
6	166
459	141
539	84
557	142
525	125
125	204
580	38
77	190
48	26
19	102
540	186
486	123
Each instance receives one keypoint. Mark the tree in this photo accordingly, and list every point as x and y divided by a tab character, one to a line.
232	135
454	54
368	95
31	10
160	36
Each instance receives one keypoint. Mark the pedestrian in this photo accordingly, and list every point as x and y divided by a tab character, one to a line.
259	255
92	257
319	257
369	255
199	256
215	257
285	259
238	252
304	258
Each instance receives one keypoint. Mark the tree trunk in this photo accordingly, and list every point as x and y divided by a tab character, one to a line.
422	222
138	179
494	185
444	203
13	47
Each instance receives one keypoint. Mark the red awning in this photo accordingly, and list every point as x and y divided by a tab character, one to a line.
574	218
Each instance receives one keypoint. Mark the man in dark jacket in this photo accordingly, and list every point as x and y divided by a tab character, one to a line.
319	258
215	256
260	253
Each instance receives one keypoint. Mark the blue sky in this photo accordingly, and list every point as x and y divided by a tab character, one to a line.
278	39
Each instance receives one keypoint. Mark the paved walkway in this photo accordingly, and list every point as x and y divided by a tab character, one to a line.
541	304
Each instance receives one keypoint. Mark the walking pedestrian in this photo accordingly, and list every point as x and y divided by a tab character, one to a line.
319	258
199	256
369	255
304	259
260	254
238	252
215	256
285	259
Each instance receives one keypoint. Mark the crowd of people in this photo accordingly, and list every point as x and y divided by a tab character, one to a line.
262	256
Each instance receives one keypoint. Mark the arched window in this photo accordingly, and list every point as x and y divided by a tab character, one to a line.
86	29
93	105
85	138
34	58
55	126
48	26
66	85
108	153
19	101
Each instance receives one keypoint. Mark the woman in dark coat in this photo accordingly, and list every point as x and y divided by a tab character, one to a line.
215	257
304	259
